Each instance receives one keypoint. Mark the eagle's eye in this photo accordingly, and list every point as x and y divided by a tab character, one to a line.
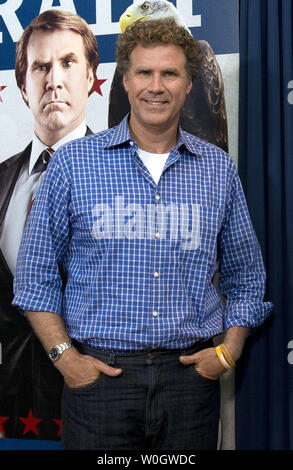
145	6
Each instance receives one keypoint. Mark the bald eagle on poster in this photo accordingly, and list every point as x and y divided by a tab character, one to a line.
204	111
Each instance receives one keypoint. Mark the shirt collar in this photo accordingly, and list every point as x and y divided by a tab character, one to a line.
122	135
192	143
38	146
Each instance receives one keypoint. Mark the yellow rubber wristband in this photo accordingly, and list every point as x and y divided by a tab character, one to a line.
227	355
221	358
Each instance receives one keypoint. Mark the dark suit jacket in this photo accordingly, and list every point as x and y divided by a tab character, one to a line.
27	378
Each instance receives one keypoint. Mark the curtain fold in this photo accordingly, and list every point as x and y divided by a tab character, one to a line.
264	376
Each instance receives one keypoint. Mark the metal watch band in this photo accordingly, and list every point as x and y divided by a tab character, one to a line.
56	351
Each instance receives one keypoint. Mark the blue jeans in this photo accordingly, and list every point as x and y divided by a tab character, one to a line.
156	403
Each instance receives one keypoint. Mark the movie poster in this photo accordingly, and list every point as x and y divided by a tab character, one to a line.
214	118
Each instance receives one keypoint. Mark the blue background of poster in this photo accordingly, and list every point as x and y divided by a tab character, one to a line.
214	21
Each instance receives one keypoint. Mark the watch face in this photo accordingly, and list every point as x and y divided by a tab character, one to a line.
54	353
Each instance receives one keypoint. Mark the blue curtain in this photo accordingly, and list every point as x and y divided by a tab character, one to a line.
264	377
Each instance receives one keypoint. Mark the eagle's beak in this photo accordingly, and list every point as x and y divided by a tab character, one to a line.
128	19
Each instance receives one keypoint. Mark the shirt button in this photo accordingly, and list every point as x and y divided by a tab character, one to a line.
157	235
157	197
156	274
155	314
131	143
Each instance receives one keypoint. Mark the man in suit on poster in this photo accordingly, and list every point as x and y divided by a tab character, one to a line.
56	61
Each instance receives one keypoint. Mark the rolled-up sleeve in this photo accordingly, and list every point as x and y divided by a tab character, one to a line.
242	277
38	281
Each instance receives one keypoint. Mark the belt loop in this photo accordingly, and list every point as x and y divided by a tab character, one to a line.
111	360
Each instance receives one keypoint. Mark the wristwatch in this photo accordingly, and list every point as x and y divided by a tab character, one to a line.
56	351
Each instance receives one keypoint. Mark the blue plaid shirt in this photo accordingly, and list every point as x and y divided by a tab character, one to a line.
140	258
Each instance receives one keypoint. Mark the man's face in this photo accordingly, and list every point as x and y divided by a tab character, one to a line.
57	83
157	85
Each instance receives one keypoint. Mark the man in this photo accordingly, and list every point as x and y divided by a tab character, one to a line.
56	62
137	216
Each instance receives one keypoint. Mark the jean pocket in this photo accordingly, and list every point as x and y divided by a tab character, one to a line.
200	376
86	387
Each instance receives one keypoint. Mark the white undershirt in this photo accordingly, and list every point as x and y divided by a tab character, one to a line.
16	214
154	162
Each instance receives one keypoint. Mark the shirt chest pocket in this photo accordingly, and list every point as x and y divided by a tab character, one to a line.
196	226
210	220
